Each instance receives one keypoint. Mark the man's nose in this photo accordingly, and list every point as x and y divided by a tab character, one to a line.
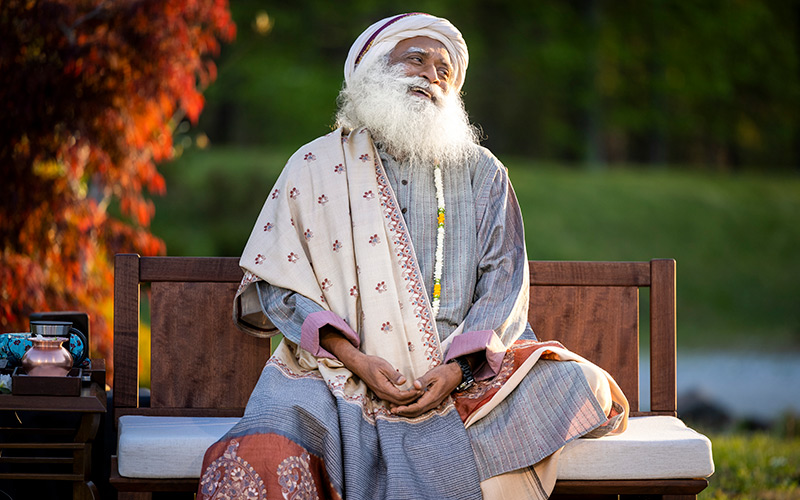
429	73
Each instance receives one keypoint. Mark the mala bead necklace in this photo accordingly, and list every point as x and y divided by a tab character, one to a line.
437	269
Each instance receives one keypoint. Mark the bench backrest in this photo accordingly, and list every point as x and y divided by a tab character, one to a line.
201	364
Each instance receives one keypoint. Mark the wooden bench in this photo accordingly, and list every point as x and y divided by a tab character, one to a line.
203	366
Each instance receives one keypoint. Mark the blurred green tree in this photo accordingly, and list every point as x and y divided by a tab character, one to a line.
89	95
712	83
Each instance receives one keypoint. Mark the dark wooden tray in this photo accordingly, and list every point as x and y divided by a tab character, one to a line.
23	384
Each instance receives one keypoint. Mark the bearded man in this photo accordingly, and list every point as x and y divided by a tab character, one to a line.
391	256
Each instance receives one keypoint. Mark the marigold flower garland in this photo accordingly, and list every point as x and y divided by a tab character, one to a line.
437	269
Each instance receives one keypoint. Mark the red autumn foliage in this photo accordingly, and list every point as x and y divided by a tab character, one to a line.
90	92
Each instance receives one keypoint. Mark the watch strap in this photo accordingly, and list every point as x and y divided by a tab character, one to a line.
467	380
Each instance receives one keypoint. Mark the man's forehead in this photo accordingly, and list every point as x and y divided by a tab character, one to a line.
422	45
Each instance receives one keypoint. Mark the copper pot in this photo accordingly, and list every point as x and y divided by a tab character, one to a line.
47	357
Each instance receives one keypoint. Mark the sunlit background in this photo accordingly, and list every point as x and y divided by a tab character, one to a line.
631	129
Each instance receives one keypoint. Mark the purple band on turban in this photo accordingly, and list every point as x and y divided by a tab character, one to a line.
388	23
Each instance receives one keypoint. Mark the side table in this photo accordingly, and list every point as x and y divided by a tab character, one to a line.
51	451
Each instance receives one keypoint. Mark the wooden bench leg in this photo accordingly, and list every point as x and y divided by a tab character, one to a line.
85	491
134	495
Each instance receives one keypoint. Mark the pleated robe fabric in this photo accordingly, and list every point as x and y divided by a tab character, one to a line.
341	232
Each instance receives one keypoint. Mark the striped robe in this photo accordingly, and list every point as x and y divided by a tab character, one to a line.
312	429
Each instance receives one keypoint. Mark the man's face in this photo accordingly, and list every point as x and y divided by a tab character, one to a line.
427	58
410	104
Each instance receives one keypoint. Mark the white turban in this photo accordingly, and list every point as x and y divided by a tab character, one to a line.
380	38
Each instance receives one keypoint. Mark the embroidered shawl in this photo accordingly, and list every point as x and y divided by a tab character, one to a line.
364	271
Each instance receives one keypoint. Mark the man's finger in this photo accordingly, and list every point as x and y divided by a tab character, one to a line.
423	382
397	396
390	372
399	378
419	407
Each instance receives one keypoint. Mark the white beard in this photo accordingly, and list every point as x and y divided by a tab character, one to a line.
409	127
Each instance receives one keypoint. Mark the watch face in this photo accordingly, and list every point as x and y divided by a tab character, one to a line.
463	386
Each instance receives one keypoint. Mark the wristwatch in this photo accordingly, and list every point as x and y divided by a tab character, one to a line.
467	379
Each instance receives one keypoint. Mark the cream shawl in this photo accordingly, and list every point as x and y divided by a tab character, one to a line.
331	230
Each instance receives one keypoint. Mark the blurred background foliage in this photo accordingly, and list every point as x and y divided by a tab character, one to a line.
711	83
632	130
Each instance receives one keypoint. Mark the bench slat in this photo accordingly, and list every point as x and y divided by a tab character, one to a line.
580	316
181	412
663	335
213	269
126	330
576	273
632	487
190	369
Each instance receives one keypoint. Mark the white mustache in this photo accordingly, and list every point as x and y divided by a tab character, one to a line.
418	83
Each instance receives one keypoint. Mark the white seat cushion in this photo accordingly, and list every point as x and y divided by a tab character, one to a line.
654	447
651	448
167	447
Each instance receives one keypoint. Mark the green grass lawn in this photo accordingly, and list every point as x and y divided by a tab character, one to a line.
754	466
736	238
